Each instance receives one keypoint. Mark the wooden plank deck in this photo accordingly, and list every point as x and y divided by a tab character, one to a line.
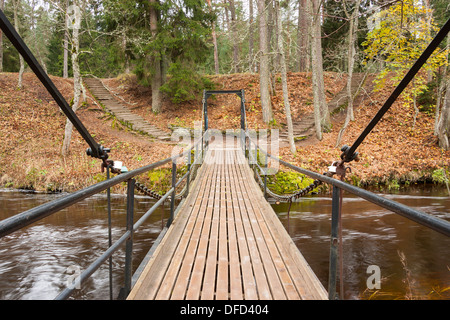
226	242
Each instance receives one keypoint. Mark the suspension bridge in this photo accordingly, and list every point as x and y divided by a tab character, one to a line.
223	240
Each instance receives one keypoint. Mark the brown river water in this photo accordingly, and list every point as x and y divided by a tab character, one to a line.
413	261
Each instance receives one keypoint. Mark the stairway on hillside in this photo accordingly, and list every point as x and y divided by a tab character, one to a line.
304	128
123	113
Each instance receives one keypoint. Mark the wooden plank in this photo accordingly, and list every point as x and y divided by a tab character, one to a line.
306	282
223	258
230	245
200	256
273	281
249	275
237	275
148	284
210	276
188	244
281	281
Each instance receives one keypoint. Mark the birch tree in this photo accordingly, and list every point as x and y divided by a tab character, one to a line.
16	5
74	24
214	38
287	107
444	120
443	126
2	5
321	112
66	43
264	72
302	37
353	28
156	61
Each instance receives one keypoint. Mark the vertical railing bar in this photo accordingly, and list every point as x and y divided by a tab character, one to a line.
189	172
341	249
332	277
108	195
172	199
266	166
129	242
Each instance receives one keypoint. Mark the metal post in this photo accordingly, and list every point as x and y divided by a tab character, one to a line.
108	195
188	178
266	165
242	110
172	199
332	277
129	242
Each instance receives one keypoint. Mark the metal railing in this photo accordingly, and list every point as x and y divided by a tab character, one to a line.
16	222
250	147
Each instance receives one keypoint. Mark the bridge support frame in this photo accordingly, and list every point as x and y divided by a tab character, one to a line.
207	94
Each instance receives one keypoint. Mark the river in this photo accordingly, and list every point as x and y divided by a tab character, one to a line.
413	261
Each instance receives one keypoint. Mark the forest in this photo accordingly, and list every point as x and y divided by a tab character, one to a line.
173	47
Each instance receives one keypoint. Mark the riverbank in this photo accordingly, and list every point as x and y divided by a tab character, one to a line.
32	130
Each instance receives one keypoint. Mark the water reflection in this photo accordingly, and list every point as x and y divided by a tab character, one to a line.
34	261
375	236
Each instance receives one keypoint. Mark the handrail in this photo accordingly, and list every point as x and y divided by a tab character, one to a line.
16	222
421	217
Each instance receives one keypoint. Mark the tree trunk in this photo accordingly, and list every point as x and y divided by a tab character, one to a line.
75	49
214	38
2	3
443	127
440	94
66	44
155	61
303	37
287	106
232	7
353	28
321	112
264	64
16	5
250	37
444	121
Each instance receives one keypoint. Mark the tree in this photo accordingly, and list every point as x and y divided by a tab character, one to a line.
74	13
16	5
398	40
303	37
2	5
155	58
287	107
264	63
351	62
251	64
443	125
321	112
214	38
66	43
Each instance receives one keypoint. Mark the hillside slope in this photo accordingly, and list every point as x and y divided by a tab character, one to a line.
32	128
394	152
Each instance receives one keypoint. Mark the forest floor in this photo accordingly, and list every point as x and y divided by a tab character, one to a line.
32	129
